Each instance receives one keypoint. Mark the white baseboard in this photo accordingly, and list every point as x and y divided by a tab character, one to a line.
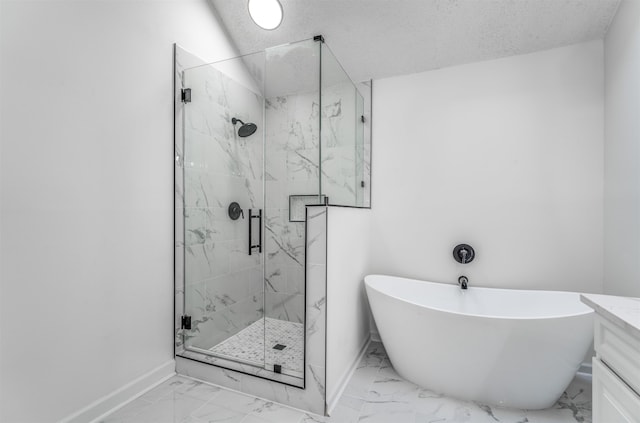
585	368
123	395
344	380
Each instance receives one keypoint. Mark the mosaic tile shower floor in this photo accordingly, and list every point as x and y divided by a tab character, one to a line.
249	345
375	394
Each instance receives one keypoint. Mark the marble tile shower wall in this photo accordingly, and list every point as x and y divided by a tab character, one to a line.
223	284
292	168
340	147
313	396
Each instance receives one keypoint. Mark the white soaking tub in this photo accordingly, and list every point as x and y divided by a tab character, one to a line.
511	348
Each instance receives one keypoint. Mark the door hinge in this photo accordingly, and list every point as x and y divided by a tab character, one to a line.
362	119
186	95
185	322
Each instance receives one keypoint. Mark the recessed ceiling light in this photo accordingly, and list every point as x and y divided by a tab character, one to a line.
267	14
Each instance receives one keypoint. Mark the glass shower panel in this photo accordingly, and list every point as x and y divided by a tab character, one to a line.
291	180
223	175
342	132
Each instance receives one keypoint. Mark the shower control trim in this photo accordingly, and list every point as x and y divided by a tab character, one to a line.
235	211
463	253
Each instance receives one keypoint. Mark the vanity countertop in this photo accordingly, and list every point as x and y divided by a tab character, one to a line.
622	311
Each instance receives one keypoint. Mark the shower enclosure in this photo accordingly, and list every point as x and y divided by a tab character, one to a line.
258	138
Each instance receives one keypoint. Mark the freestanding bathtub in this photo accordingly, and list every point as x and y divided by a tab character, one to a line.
511	348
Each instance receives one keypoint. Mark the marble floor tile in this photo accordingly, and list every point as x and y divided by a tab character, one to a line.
240	402
128	412
255	419
387	416
360	384
215	413
192	419
314	418
182	385
375	394
351	402
173	408
375	356
276	413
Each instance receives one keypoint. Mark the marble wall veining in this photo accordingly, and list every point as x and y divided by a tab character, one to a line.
291	168
218	284
312	396
340	149
375	394
223	282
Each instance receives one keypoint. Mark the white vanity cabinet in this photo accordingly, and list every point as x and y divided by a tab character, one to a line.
613	401
616	366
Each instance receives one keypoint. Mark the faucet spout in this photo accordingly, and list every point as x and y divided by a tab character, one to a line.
463	282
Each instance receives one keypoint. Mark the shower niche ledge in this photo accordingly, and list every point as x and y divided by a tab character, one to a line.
259	140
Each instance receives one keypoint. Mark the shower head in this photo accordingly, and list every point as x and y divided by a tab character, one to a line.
246	129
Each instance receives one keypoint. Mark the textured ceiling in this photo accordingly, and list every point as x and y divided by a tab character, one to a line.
380	38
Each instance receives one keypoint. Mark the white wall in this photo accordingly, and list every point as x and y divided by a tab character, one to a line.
622	153
348	262
87	195
505	155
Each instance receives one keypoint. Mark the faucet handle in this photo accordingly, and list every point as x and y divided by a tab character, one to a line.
463	253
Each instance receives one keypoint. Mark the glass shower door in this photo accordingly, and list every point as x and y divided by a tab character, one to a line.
224	204
251	134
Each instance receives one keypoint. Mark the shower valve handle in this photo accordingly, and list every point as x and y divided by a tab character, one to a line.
464	253
235	211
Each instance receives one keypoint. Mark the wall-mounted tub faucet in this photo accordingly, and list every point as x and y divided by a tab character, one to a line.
463	281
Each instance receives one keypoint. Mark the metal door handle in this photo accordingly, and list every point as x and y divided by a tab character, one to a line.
259	244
